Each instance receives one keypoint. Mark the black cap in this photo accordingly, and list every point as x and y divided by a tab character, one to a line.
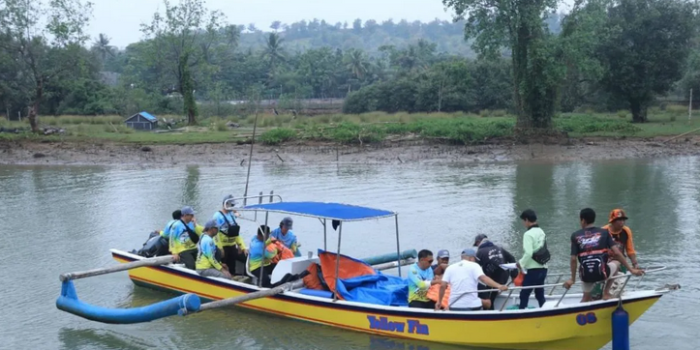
479	238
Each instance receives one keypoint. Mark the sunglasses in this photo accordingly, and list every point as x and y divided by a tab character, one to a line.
430	261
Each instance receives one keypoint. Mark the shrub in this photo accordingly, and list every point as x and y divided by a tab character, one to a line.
277	136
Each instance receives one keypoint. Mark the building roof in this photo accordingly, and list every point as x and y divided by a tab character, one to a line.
333	211
146	115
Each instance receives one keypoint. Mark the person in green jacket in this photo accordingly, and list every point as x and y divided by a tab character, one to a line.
535	273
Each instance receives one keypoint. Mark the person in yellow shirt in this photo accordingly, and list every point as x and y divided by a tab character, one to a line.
207	265
229	240
184	236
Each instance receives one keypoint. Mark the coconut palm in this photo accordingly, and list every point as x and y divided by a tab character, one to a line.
102	47
274	53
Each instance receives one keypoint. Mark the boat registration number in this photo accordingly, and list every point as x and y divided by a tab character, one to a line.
409	326
584	319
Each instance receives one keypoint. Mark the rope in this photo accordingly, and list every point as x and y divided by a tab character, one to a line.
183	305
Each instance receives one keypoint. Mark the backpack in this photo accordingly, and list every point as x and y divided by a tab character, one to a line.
233	229
594	267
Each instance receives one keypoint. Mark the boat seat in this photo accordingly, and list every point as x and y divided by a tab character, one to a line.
247	271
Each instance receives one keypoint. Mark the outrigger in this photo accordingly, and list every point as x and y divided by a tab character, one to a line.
563	323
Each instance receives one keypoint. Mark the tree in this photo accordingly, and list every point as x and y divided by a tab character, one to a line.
518	25
644	47
102	48
34	35
181	41
274	53
276	25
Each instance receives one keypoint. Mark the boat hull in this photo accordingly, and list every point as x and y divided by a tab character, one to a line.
580	327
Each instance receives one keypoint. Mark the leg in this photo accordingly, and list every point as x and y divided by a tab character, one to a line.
539	292
525	293
587	288
211	273
613	267
485	297
189	257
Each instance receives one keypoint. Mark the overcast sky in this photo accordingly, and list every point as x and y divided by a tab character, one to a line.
121	19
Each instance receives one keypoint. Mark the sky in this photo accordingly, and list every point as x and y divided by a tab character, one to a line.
120	20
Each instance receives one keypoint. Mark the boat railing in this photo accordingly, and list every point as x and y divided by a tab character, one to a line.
261	198
626	278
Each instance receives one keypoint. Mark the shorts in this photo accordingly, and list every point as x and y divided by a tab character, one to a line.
612	265
485	295
422	304
211	273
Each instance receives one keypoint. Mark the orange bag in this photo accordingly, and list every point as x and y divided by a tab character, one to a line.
434	294
518	281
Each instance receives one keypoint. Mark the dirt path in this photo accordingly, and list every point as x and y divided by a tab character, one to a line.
36	153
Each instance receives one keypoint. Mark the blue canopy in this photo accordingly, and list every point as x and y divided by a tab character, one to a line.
332	211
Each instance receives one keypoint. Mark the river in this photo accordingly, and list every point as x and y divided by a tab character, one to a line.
60	219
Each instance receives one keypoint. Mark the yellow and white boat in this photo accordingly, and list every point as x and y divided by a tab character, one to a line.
563	323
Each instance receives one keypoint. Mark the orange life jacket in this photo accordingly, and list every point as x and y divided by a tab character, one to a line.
311	281
434	294
282	251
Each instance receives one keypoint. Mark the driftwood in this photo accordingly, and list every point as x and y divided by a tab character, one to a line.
161	260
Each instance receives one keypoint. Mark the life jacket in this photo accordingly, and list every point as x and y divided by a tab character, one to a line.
434	294
312	280
620	238
282	251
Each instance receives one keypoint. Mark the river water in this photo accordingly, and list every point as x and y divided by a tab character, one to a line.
60	219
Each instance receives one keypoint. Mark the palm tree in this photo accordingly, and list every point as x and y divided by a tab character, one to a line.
102	47
274	52
357	63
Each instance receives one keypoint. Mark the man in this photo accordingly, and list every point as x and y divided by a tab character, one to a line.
184	237
206	264
535	273
177	215
420	278
622	235
285	235
229	239
590	246
261	254
490	258
443	260
463	278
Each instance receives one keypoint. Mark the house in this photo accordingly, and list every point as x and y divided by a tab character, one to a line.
142	121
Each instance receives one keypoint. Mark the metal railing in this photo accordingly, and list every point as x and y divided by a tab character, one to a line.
230	204
626	276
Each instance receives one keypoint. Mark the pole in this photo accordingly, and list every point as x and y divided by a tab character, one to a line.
250	155
398	249
244	298
161	260
262	266
337	263
325	246
690	105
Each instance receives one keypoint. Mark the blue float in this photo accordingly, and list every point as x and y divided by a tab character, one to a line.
385	258
69	302
620	329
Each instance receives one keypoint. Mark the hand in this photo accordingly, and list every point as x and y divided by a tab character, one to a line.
502	288
238	215
224	266
438	307
226	273
635	265
637	272
568	284
176	258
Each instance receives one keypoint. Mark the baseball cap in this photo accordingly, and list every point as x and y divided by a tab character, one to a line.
210	224
470	252
479	238
617	214
287	222
443	254
229	199
187	210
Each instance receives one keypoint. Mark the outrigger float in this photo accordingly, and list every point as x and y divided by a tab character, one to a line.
563	323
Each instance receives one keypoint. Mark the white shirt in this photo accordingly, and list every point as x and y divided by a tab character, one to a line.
463	277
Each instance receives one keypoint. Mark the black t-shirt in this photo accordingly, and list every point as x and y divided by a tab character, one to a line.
591	240
490	257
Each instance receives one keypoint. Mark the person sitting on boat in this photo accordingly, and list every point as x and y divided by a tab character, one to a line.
165	233
184	236
443	260
207	265
285	235
490	257
229	239
420	278
591	246
463	278
622	235
534	241
260	256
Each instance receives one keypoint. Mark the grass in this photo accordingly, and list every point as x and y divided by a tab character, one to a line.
456	128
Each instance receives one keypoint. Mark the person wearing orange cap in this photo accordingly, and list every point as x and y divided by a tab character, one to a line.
622	235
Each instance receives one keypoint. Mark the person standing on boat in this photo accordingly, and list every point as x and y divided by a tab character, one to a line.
533	264
229	239
207	265
261	254
443	260
591	247
490	257
420	278
184	236
463	278
285	235
622	235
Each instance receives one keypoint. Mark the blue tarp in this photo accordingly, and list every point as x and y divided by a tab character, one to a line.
332	211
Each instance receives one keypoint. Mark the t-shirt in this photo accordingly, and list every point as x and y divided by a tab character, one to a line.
206	254
491	257
223	240
180	239
591	240
260	253
533	239
419	283
463	277
166	231
288	239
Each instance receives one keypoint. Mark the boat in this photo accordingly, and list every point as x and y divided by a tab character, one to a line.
563	323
